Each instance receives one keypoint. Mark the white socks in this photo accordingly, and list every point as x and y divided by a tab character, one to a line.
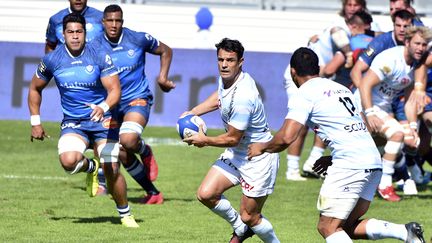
388	171
379	229
227	212
265	232
293	162
338	237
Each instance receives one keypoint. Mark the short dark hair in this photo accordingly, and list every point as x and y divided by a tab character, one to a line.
113	8
74	18
360	16
403	14
305	62
231	46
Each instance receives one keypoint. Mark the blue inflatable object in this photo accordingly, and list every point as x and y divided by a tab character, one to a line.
204	18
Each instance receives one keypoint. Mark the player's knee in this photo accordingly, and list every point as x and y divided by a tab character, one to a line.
71	162
207	197
393	147
250	219
129	141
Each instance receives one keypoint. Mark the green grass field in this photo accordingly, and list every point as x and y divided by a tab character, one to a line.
39	202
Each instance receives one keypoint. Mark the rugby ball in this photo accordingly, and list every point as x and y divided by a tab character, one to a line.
189	125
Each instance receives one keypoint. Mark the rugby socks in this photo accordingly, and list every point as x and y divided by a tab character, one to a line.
388	171
314	155
91	165
265	232
123	211
143	149
227	212
137	171
340	236
293	162
379	229
101	178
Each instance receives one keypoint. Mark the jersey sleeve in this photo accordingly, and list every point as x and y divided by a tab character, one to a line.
106	65
371	52
241	113
43	70
381	66
51	31
149	42
299	108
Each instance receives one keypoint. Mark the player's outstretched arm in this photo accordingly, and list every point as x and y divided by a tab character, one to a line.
369	81
281	140
229	139
34	100
208	105
357	72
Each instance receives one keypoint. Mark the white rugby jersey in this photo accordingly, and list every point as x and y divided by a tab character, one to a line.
241	107
330	110
395	75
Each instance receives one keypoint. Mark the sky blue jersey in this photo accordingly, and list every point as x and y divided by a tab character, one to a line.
128	56
77	78
94	27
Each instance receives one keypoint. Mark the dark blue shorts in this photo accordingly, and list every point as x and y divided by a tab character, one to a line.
92	131
140	106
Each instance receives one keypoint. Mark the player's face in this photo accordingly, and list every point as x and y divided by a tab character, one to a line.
399	28
74	36
78	5
396	6
113	23
229	65
351	7
417	47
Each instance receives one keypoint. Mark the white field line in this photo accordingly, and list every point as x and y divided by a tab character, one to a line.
54	178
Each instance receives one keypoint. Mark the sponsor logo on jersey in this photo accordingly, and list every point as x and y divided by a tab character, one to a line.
89	27
369	52
355	127
89	69
110	123
386	69
246	186
42	67
76	62
108	59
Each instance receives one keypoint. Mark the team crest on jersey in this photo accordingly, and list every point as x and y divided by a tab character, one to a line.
131	53
386	69
89	27
370	51
148	37
89	69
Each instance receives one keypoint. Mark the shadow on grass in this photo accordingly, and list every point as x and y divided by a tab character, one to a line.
77	220
166	199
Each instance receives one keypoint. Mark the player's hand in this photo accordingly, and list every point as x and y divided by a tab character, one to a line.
255	149
412	139
375	123
420	100
198	140
166	85
97	113
37	132
320	166
186	113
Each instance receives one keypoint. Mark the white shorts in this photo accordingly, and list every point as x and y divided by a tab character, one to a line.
257	177
343	187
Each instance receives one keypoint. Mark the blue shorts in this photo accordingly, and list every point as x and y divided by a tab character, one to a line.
92	131
140	106
398	105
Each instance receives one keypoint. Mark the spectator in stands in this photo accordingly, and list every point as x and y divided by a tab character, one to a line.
54	32
128	49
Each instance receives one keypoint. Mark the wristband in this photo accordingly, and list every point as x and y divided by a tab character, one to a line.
105	107
369	111
413	125
35	120
418	86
